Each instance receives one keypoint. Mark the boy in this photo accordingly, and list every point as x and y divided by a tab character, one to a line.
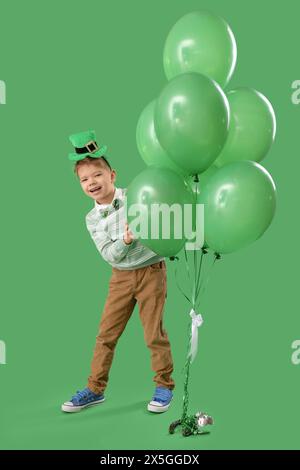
138	275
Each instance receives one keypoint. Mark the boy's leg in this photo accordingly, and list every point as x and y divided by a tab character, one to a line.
118	308
151	294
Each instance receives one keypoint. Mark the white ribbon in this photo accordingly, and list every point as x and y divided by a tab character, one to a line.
197	321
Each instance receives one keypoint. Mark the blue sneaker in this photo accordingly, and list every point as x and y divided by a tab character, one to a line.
161	400
81	400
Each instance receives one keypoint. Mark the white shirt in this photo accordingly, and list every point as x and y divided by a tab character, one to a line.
107	234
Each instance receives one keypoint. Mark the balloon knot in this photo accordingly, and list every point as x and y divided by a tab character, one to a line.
172	258
196	178
217	255
204	251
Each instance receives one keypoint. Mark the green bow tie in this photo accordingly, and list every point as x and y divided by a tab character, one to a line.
112	207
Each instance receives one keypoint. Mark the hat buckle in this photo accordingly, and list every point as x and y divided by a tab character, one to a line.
94	144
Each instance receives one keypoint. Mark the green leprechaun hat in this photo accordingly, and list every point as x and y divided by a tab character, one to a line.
85	145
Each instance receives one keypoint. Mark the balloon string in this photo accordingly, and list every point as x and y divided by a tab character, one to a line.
186	367
197	270
180	289
201	289
188	299
199	275
176	279
195	279
186	263
196	292
184	417
204	283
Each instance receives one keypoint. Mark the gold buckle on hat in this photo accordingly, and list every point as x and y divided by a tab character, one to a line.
94	144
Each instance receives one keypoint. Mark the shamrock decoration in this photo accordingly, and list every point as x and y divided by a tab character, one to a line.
116	204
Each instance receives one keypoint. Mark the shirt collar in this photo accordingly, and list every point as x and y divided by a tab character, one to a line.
114	205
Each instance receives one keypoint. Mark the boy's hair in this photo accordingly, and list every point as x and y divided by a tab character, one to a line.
101	161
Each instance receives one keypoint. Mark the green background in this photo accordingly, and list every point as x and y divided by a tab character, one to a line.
71	66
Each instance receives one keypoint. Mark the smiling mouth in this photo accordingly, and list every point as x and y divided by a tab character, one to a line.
95	190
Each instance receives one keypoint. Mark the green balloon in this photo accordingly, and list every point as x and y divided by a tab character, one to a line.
191	119
239	205
252	127
148	145
201	42
158	186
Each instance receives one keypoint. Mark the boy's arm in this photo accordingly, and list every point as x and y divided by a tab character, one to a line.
112	251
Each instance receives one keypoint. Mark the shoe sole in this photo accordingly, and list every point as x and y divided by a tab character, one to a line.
76	409
158	409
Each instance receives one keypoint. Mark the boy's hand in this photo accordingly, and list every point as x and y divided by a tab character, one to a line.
128	235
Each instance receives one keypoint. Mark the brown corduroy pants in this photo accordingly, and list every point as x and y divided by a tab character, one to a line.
148	287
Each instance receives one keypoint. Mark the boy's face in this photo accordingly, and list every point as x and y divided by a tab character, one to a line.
97	182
